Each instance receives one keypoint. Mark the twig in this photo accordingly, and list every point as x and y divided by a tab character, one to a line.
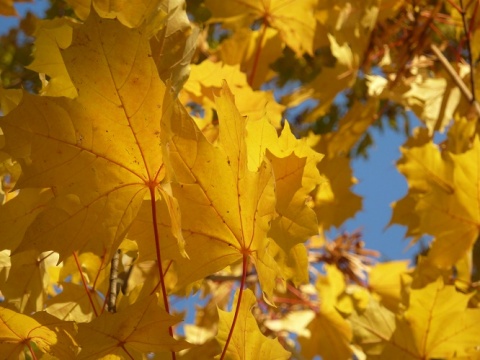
456	78
251	278
112	294
469	50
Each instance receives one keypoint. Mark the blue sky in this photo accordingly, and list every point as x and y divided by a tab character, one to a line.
379	182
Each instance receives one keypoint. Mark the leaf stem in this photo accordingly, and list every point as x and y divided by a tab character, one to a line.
256	60
84	282
159	258
32	352
237	309
126	351
46	256
100	268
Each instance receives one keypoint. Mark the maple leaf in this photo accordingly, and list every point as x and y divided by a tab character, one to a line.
433	100
93	270
226	208
293	264
130	13
334	201
210	75
441	187
174	45
339	77
294	165
329	337
50	37
21	211
100	153
348	21
437	324
139	328
72	304
385	280
294	20
372	327
9	99
28	280
49	334
241	48
328	334
247	341
9	169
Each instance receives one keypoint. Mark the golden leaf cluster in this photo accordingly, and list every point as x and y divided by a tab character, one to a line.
156	164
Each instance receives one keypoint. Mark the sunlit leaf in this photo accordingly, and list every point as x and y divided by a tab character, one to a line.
140	328
47	333
247	341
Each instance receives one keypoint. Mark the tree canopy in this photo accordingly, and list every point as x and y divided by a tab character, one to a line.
161	151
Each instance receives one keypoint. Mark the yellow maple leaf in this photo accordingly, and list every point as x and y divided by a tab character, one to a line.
137	329
94	270
73	304
344	27
294	322
130	13
51	36
9	99
330	337
385	280
22	211
442	187
436	325
49	334
174	45
294	166
209	76
330	286
372	327
294	20
293	264
349	21
328	334
28	280
100	153
334	201
241	48
226	208
433	100
247	341
339	77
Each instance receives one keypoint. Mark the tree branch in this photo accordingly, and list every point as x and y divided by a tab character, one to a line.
456	78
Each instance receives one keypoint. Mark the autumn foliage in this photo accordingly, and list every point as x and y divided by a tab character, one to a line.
149	162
